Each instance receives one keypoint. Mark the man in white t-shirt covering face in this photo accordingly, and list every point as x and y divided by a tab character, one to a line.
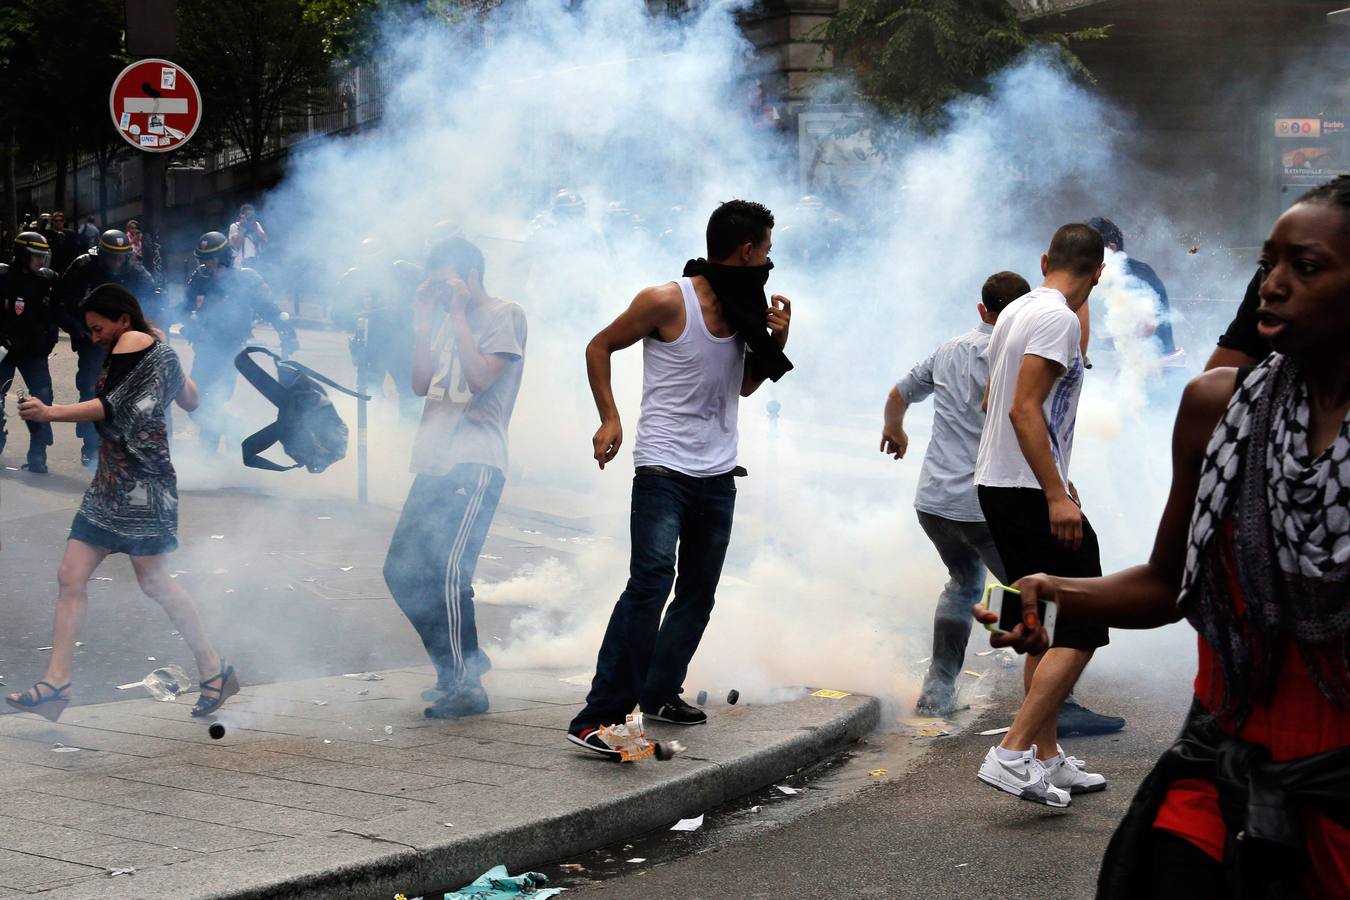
707	340
468	356
1022	477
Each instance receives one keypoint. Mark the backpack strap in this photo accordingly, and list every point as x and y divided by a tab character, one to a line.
268	386
322	379
260	440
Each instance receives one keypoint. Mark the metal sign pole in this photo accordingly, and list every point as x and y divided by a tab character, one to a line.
359	348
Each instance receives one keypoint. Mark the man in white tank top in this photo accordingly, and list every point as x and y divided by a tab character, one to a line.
695	369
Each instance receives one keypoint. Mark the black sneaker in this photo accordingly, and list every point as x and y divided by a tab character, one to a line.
588	738
465	700
1076	720
89	455
677	712
37	462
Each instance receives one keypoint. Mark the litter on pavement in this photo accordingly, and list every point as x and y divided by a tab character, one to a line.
783	788
991	731
693	824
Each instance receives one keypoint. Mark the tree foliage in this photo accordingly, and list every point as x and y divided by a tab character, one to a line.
255	61
58	59
352	29
913	56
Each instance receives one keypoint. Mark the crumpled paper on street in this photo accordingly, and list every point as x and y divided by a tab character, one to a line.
496	884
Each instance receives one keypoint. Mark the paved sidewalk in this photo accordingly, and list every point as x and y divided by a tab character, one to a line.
339	787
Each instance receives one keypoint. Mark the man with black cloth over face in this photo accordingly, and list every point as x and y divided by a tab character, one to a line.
707	340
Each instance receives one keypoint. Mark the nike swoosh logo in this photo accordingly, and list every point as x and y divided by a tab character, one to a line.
1014	773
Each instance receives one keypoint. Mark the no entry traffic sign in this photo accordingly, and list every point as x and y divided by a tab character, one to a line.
155	105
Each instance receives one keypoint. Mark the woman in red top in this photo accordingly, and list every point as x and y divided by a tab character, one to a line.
1254	551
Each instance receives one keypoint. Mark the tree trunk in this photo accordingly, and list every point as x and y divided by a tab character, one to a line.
74	220
104	164
9	212
255	155
62	167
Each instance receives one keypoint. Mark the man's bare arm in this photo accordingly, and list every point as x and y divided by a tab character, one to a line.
651	309
1142	596
1035	378
894	441
481	370
424	360
778	318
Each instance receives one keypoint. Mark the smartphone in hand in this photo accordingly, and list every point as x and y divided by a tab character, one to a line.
1007	602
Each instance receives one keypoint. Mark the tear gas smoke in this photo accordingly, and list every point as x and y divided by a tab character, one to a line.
829	581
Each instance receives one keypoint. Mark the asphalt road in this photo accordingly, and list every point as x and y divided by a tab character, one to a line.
929	829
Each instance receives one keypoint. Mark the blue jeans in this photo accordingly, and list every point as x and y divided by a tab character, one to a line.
676	520
432	556
967	549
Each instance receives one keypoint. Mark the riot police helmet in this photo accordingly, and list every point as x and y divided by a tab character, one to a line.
214	247
114	249
31	251
567	204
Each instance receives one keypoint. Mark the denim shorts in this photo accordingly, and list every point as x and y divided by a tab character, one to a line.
87	532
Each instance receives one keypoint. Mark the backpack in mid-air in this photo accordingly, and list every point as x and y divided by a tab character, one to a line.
308	425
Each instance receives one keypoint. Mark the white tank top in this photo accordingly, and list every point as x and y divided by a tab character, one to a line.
691	388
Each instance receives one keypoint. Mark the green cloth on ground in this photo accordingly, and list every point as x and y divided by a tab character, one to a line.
495	884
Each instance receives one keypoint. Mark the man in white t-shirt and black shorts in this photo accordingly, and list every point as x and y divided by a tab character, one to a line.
468	358
1022	476
704	345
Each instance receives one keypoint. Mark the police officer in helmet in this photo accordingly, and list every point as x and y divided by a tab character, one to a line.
222	304
110	261
28	330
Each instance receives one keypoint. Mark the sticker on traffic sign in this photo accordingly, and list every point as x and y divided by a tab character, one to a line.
155	105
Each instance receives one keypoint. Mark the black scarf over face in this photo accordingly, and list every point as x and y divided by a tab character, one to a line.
740	290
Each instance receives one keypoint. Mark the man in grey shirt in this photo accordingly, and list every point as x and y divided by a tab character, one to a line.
468	357
949	510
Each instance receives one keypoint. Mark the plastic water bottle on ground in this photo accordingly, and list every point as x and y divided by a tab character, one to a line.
167	682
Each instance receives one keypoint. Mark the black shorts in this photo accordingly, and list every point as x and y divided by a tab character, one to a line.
1019	520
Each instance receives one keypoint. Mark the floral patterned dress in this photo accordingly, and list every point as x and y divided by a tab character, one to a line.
132	505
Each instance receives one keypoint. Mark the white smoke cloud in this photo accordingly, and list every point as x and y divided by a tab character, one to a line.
829	581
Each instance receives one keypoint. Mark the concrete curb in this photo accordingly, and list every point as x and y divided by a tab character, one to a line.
744	749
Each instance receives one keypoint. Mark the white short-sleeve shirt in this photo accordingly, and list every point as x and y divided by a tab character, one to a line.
1037	324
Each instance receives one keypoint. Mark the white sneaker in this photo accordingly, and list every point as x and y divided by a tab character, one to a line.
1023	777
1067	774
1077	761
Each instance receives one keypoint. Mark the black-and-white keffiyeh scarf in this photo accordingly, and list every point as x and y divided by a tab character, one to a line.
1290	518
